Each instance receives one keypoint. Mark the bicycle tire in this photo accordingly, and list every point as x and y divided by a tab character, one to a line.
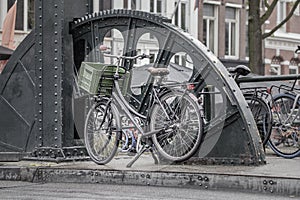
262	115
101	132
182	133
284	139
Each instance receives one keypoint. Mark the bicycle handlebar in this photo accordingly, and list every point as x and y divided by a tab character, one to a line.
141	56
297	50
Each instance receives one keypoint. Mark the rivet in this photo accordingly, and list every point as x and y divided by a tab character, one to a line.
55	129
55	102
55	76
55	94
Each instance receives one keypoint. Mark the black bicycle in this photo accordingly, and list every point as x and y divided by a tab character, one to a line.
256	97
172	127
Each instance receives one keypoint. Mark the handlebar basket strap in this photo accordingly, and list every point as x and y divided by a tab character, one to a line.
98	78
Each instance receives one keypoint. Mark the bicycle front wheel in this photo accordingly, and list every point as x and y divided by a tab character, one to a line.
262	115
101	133
284	139
179	119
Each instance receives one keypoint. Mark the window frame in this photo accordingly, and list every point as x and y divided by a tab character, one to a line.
235	21
281	8
213	18
178	15
4	9
155	3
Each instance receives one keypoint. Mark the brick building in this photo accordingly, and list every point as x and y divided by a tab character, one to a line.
219	24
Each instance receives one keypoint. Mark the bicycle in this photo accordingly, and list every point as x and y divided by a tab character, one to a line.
256	99
285	136
172	127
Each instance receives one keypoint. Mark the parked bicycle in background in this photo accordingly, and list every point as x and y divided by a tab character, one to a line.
285	104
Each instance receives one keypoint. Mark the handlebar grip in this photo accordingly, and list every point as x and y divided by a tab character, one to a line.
298	50
146	56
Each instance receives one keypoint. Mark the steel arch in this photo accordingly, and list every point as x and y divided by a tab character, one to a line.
231	135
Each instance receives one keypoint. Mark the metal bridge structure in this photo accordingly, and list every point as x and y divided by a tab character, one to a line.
37	104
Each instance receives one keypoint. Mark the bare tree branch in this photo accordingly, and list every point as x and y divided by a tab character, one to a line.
268	13
265	35
267	4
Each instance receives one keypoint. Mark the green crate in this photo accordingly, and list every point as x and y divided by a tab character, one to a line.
97	77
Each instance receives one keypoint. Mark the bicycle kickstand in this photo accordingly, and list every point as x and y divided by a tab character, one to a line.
143	149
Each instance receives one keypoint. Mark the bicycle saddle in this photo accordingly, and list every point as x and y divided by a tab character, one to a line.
158	71
239	69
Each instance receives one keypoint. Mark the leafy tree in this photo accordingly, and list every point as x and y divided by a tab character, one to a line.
255	23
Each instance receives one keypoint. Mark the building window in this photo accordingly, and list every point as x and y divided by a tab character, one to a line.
293	67
181	15
103	5
210	27
130	4
156	6
25	13
275	69
281	13
231	32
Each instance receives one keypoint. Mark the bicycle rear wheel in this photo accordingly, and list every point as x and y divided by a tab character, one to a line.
101	132
181	123
262	115
284	139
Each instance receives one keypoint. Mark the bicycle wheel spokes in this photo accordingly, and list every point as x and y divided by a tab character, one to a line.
262	116
101	135
284	139
181	123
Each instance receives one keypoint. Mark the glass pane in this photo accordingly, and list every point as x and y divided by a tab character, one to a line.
151	5
159	6
176	15
208	10
133	4
233	39
183	13
227	39
30	14
205	32
211	34
230	13
293	71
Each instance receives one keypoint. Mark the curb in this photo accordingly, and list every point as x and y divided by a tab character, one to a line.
215	181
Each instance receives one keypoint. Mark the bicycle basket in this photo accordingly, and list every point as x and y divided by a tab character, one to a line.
97	78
